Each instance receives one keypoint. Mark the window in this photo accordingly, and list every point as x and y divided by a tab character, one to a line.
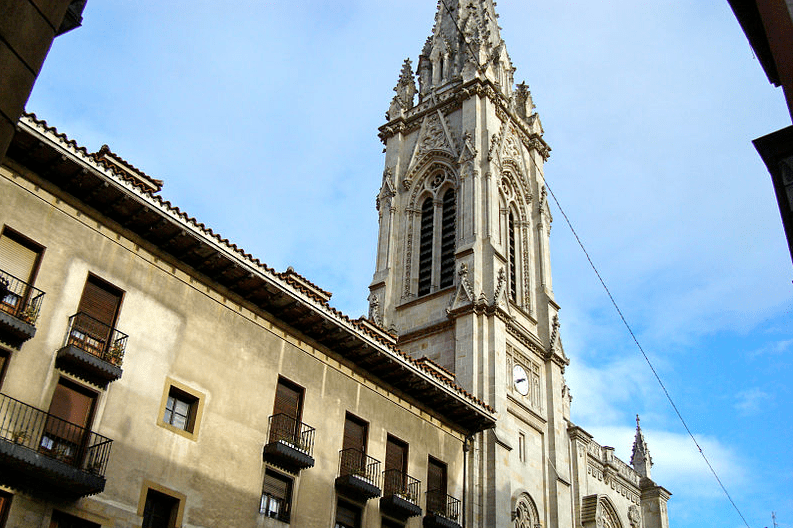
513	274
5	506
181	409
19	261
448	242
276	496
353	454
436	486
396	466
425	247
96	316
522	446
63	520
160	511
287	411
347	515
69	421
3	364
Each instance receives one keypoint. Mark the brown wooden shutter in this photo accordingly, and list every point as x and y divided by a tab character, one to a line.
100	301
396	454
436	476
72	404
16	259
288	400
354	434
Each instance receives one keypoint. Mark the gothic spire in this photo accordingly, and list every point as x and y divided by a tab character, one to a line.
465	43
640	458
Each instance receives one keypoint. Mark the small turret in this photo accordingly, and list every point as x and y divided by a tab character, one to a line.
640	458
405	92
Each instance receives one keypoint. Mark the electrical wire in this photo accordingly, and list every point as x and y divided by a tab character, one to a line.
614	302
646	358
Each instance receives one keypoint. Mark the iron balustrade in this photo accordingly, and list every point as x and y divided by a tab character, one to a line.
96	338
20	299
353	462
444	505
286	429
396	482
53	437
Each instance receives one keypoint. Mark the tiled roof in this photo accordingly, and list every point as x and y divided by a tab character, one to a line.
288	279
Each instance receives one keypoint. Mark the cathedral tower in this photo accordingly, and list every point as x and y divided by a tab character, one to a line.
463	268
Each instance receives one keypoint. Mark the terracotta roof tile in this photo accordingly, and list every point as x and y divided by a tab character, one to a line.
292	278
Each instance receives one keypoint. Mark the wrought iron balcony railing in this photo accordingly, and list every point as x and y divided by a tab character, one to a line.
97	338
20	299
401	494
443	505
359	474
284	428
290	443
43	453
395	482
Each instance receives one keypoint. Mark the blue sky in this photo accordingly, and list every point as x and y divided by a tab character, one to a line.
261	118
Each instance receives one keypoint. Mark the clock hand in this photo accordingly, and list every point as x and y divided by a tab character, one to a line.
520	380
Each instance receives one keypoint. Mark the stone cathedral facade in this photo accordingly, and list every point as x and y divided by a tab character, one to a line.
463	277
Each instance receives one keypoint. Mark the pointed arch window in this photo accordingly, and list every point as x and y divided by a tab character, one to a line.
448	229
513	273
425	247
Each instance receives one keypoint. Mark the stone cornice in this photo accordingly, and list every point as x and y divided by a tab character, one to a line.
451	99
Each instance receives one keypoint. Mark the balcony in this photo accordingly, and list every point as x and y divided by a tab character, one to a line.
93	351
358	475
443	511
290	445
45	456
400	495
20	304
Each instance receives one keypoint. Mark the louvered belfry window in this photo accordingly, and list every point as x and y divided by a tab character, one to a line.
425	247
513	275
448	239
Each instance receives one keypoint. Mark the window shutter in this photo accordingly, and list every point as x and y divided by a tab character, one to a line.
288	400
513	274
354	434
70	404
16	259
395	455
100	301
436	477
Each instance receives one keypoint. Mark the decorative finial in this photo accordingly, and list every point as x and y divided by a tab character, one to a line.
640	458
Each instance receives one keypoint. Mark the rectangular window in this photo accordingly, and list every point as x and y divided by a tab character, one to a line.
522	447
5	506
396	466
160	510
97	313
276	496
3	364
347	515
19	261
436	486
180	410
68	425
64	520
287	411
353	455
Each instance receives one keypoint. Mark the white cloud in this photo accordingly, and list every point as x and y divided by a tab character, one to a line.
751	401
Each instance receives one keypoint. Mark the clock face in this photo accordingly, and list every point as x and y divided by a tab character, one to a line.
521	380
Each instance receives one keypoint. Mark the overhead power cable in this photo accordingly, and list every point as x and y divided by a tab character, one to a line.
646	358
616	306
